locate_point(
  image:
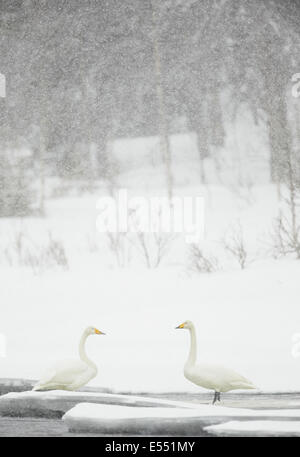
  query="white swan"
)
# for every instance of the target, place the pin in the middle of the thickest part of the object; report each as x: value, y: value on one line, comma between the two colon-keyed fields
x: 71, y: 374
x: 215, y: 377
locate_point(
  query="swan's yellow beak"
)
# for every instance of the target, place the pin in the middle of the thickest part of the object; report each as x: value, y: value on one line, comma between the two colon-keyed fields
x: 98, y: 332
x: 180, y: 326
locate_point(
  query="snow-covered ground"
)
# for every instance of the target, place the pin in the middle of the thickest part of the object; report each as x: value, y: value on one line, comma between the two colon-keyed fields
x: 114, y: 414
x: 245, y: 319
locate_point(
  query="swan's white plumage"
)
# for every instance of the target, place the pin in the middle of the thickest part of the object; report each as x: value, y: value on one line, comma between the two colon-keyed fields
x: 216, y: 377
x: 70, y: 374
x: 210, y: 376
x: 66, y: 375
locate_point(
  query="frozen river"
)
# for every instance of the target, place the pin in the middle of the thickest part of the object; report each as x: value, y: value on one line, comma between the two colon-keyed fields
x: 25, y: 426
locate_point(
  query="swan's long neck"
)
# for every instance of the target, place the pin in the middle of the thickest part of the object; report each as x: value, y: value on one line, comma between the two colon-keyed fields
x: 193, y: 348
x: 82, y: 352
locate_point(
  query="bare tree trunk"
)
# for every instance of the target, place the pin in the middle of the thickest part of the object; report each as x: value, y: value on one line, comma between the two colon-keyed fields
x: 201, y: 145
x: 86, y: 101
x: 163, y: 122
x: 292, y: 196
x: 42, y: 170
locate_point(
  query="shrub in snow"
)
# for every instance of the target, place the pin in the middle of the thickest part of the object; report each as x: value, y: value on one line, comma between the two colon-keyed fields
x: 55, y: 252
x: 23, y: 251
x: 201, y: 262
x: 285, y: 237
x: 152, y: 247
x: 234, y: 243
x: 118, y: 245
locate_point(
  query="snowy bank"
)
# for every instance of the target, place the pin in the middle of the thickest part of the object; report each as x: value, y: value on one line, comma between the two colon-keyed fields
x: 112, y: 419
x: 256, y: 428
x: 56, y: 402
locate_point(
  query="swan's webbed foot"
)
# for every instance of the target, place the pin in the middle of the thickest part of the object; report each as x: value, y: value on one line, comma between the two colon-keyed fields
x: 217, y: 397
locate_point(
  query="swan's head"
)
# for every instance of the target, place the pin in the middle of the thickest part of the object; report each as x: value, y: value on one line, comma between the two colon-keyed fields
x: 94, y: 331
x: 187, y: 325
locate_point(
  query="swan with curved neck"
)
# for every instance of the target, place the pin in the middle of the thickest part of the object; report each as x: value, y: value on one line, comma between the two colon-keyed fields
x: 71, y: 374
x: 214, y: 377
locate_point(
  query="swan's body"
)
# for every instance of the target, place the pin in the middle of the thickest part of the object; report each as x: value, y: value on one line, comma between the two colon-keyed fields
x: 71, y: 374
x: 210, y: 376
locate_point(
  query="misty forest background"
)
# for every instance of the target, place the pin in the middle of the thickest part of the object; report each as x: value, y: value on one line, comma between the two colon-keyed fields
x: 83, y: 74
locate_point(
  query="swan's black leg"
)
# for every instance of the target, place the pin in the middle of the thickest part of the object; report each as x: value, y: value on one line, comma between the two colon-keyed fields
x: 219, y: 396
x: 215, y: 398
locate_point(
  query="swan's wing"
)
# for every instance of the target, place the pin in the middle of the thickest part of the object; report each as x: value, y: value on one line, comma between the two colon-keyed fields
x: 217, y: 375
x: 210, y: 375
x: 236, y: 380
x: 63, y: 373
x: 45, y: 379
x: 243, y: 383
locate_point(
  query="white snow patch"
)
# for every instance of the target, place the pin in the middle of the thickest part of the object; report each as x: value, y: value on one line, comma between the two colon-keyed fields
x: 115, y: 411
x: 31, y: 403
x: 111, y: 418
x: 261, y: 428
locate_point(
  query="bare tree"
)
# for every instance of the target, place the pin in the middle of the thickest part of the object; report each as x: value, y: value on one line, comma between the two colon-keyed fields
x: 286, y: 230
x: 163, y: 121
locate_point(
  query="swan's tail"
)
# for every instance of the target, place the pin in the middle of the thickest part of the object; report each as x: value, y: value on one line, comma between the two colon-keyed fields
x: 249, y: 385
x: 245, y: 385
x: 36, y: 387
